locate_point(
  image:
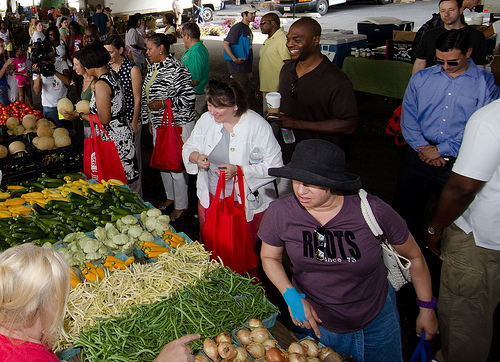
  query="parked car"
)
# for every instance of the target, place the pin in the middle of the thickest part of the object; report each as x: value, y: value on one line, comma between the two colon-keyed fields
x: 209, y: 6
x: 318, y: 6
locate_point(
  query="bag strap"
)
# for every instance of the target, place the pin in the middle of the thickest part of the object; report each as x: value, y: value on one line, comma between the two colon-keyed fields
x: 241, y: 185
x: 368, y: 214
x: 168, y: 114
x: 92, y: 128
x: 423, y: 350
x: 98, y: 123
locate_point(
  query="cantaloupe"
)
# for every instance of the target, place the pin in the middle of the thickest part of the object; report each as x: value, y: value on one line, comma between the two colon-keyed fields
x: 35, y: 141
x: 51, y: 124
x: 62, y: 141
x: 26, y: 131
x: 16, y: 146
x: 18, y: 130
x: 44, y: 131
x: 12, y: 122
x: 83, y: 106
x: 45, y: 143
x: 42, y: 122
x: 60, y: 132
x: 29, y: 121
x: 65, y: 105
x: 3, y: 151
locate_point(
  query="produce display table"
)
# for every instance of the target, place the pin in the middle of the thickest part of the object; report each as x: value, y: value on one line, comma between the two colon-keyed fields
x: 388, y: 78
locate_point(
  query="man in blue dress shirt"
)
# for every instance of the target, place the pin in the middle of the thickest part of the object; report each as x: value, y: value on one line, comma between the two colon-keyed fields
x: 437, y: 104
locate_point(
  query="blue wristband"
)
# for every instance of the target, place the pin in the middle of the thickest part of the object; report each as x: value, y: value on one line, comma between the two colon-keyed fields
x: 294, y: 301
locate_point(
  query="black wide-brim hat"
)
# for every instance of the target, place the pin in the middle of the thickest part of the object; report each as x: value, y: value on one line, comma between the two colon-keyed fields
x: 320, y: 163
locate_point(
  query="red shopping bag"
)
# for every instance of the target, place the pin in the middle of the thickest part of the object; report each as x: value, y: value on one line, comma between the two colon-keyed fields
x: 167, y: 153
x: 100, y: 158
x: 226, y: 230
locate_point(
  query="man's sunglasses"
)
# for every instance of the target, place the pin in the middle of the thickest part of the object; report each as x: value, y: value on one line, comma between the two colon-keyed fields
x: 451, y: 63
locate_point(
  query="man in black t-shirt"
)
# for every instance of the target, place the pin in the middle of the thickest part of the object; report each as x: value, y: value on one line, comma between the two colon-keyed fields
x: 450, y: 12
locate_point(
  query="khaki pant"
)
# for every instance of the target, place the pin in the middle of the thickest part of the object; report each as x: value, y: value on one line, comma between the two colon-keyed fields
x: 468, y: 295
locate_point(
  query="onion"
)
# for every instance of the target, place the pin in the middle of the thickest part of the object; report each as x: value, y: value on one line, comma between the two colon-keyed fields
x: 223, y: 337
x: 241, y: 354
x: 226, y: 350
x: 210, y: 349
x: 259, y: 335
x: 254, y: 323
x: 333, y: 357
x: 269, y: 343
x: 274, y: 355
x: 256, y: 350
x: 297, y: 348
x: 311, y: 347
x: 200, y: 358
x: 324, y: 351
x: 295, y: 357
x: 243, y: 336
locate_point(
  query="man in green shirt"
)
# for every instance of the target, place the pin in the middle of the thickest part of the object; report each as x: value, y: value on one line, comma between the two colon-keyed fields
x: 196, y: 59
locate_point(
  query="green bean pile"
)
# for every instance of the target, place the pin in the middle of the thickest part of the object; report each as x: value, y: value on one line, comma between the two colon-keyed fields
x: 222, y: 301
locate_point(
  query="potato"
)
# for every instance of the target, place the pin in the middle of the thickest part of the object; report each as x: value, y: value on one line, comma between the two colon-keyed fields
x: 12, y: 123
x: 18, y: 130
x: 83, y: 106
x: 42, y: 122
x: 62, y: 141
x: 29, y: 121
x: 65, y: 105
x: 16, y: 146
x: 45, y: 143
x: 60, y: 132
x: 3, y: 151
x: 44, y: 131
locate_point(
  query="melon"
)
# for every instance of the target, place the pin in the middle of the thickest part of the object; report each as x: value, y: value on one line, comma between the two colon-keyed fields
x: 35, y: 141
x: 12, y: 122
x: 83, y: 106
x: 65, y: 105
x: 18, y: 130
x: 60, y: 132
x: 51, y: 124
x: 42, y: 122
x: 16, y: 146
x: 44, y: 131
x: 3, y: 151
x: 45, y: 143
x: 29, y: 121
x: 62, y: 141
x: 26, y: 131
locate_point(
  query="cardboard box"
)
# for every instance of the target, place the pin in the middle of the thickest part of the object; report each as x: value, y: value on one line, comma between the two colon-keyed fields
x: 401, y: 35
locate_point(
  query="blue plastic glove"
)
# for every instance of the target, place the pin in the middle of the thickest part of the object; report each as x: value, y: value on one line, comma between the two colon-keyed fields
x: 294, y: 301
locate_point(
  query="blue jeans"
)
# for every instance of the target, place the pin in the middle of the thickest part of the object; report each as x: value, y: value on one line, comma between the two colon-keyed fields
x: 51, y: 114
x: 4, y: 95
x: 379, y: 341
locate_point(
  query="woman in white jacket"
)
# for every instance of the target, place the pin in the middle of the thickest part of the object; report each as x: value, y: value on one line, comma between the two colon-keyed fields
x: 226, y: 136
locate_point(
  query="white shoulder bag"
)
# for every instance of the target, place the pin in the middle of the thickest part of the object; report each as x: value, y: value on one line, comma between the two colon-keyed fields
x: 398, y: 267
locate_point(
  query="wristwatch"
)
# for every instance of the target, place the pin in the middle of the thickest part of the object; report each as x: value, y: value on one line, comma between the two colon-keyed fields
x: 428, y: 305
x: 432, y: 231
x: 80, y: 115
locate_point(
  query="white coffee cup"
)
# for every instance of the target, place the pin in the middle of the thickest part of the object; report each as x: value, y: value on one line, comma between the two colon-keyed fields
x: 273, y: 100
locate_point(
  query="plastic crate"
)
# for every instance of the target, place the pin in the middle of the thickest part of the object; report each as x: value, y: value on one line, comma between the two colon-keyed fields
x: 340, y: 44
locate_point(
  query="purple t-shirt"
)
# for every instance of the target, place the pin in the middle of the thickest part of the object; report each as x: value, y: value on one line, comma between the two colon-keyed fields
x: 349, y: 290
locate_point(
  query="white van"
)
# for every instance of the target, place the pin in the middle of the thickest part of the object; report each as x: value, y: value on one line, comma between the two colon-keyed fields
x: 318, y: 6
x: 158, y: 7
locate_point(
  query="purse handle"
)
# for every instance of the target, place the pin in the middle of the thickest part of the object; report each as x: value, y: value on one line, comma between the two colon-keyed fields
x: 370, y: 218
x: 93, y: 118
x: 168, y: 114
x: 221, y: 187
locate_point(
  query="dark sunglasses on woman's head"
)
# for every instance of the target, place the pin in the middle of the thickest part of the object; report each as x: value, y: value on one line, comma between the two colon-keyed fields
x: 451, y: 63
x: 320, y: 241
x: 218, y: 85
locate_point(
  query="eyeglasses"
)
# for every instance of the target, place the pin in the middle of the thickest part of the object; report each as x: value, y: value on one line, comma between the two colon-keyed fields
x: 320, y: 241
x: 451, y: 63
x: 263, y: 22
x: 218, y: 85
x: 293, y: 91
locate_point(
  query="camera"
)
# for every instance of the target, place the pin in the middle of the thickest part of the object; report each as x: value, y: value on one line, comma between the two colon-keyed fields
x: 42, y: 51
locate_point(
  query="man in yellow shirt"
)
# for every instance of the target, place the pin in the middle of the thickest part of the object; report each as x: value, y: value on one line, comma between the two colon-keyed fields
x: 273, y: 54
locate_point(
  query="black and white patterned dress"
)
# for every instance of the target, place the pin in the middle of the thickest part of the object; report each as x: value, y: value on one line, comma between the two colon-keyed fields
x: 169, y: 79
x: 118, y: 129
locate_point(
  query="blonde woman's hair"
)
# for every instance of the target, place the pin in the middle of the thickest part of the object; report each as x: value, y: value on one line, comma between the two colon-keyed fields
x: 34, y: 283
